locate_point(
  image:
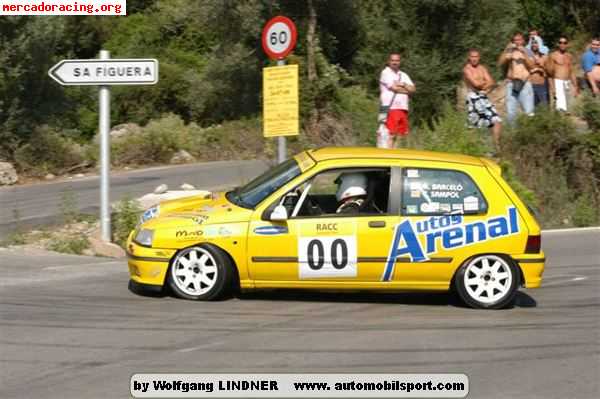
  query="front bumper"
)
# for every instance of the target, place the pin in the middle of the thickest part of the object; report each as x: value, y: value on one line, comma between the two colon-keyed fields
x: 532, y: 267
x: 148, y: 266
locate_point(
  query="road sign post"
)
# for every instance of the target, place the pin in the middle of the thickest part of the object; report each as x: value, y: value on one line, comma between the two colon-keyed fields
x: 104, y: 129
x: 278, y: 40
x: 105, y: 72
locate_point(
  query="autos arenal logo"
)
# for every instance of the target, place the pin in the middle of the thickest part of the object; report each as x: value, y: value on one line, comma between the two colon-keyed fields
x: 447, y: 231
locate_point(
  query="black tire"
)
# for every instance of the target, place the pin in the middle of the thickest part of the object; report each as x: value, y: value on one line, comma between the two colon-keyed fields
x: 487, y: 282
x: 204, y: 276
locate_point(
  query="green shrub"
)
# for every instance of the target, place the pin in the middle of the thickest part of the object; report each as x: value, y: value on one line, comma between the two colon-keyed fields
x: 68, y: 245
x: 524, y: 193
x: 449, y: 133
x: 156, y: 143
x: 238, y: 139
x: 361, y: 110
x: 590, y: 111
x: 585, y: 212
x: 125, y: 219
x: 48, y: 151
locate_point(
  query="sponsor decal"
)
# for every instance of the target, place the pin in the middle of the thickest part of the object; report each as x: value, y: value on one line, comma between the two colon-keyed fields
x: 429, y: 236
x: 270, y: 230
x: 412, y: 173
x: 150, y: 213
x: 200, y: 219
x: 188, y: 234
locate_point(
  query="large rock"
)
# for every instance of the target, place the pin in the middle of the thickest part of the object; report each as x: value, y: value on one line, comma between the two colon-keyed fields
x: 121, y: 131
x: 104, y: 248
x: 182, y: 156
x: 124, y: 129
x: 8, y: 174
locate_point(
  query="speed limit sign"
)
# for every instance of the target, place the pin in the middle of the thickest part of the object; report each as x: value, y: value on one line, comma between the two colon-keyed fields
x: 279, y: 37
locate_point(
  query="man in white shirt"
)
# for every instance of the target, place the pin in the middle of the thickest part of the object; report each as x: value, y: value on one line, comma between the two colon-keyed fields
x: 396, y: 87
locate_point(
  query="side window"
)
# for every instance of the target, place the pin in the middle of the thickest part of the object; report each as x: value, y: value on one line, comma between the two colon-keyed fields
x: 358, y: 191
x: 439, y: 192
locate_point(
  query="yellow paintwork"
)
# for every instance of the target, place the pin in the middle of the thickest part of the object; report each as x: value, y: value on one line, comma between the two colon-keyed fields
x: 186, y: 222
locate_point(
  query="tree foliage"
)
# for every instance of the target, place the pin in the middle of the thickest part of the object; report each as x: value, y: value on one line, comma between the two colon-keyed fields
x: 211, y: 58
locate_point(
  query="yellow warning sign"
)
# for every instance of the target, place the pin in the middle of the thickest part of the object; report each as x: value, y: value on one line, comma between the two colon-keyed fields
x: 280, y: 101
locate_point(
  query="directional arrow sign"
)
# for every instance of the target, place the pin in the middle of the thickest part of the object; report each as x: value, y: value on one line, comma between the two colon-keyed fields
x: 105, y: 72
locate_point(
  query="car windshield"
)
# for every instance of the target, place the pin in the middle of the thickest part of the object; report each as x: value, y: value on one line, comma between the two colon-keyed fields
x: 253, y: 193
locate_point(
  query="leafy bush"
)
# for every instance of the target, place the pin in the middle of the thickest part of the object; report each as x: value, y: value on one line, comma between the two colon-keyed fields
x: 69, y: 245
x: 156, y: 142
x: 48, y: 151
x: 585, y: 212
x: 361, y: 110
x: 449, y: 133
x: 559, y: 164
x: 125, y: 218
x: 590, y: 112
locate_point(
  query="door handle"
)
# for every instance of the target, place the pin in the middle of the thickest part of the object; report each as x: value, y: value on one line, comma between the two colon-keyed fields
x: 377, y: 224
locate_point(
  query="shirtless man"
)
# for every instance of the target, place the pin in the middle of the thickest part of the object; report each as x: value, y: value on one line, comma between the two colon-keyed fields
x: 590, y: 62
x: 538, y: 75
x: 481, y: 112
x: 518, y: 88
x: 563, y: 83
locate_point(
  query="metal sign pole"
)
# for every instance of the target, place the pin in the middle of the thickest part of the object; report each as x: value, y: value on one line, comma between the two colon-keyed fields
x: 104, y: 127
x: 281, y: 144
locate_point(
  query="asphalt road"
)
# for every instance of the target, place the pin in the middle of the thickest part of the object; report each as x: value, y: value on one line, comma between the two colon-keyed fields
x: 69, y: 328
x: 39, y: 204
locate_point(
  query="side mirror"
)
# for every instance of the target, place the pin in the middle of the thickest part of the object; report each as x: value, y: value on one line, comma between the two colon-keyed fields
x: 279, y: 213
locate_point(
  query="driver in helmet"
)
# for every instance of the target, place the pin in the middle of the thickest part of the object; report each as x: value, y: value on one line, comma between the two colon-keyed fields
x: 351, y: 193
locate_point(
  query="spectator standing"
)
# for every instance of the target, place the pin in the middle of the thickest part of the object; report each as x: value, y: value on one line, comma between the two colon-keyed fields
x: 395, y: 88
x: 480, y: 110
x: 590, y: 62
x: 519, y: 91
x: 563, y: 83
x: 534, y: 37
x: 538, y: 76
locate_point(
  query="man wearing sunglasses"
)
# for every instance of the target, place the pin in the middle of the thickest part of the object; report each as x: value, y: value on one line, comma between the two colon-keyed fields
x: 590, y: 62
x: 563, y: 83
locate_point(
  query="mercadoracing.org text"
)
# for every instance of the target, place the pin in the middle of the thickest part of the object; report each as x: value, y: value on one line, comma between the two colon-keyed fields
x: 63, y: 7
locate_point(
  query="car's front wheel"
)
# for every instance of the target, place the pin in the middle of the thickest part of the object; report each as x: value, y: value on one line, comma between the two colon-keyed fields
x: 487, y: 282
x: 202, y: 272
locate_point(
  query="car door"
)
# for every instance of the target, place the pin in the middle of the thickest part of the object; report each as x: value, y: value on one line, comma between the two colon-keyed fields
x: 317, y: 246
x: 441, y: 209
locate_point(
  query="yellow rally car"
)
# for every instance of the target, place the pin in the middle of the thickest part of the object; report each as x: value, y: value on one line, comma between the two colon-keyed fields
x: 348, y: 219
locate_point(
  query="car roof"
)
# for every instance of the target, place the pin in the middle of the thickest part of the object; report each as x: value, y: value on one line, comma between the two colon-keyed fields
x: 330, y: 153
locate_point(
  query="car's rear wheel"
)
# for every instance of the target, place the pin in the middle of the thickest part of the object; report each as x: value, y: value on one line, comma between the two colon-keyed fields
x: 487, y: 282
x: 202, y: 272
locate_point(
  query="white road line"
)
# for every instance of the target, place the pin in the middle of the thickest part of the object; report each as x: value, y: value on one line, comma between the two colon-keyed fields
x: 554, y: 283
x: 194, y: 348
x: 80, y: 265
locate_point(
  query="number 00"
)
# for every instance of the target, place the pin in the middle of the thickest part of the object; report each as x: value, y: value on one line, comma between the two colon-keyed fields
x: 337, y: 262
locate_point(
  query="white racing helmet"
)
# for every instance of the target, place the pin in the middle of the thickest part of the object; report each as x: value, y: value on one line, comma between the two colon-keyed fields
x: 351, y: 185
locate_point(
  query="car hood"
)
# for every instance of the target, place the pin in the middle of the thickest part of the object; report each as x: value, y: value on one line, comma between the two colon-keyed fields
x: 197, y: 211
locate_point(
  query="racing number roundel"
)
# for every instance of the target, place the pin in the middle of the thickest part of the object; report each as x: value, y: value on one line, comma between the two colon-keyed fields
x: 279, y: 37
x: 327, y: 256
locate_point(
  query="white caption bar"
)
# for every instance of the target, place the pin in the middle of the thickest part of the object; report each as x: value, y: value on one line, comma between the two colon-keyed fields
x: 63, y: 7
x: 299, y: 385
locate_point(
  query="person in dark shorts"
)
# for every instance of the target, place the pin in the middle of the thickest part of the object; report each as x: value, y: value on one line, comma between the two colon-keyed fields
x: 481, y: 113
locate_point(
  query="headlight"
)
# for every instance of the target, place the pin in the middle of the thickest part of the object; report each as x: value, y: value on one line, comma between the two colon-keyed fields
x: 144, y: 237
x: 150, y: 213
